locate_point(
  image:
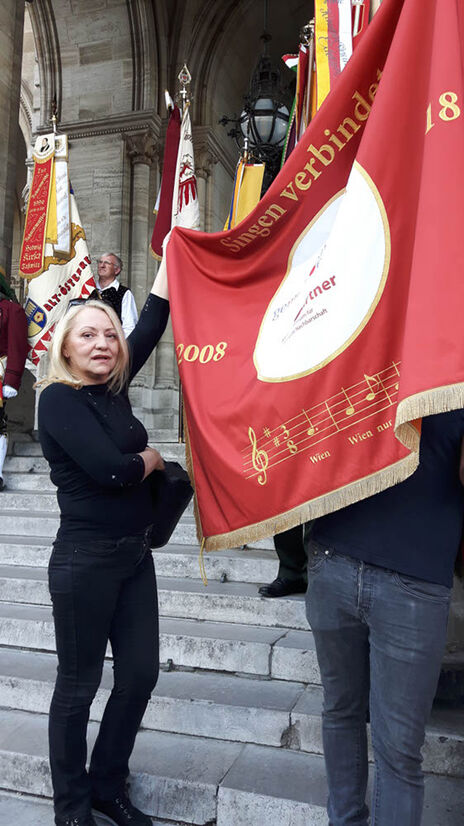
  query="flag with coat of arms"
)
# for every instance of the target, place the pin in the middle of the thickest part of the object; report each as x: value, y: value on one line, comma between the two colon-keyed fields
x: 178, y: 200
x: 54, y: 255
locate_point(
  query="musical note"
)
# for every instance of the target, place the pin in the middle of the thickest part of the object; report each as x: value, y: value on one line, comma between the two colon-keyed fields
x: 311, y: 429
x: 368, y: 379
x: 259, y: 458
x: 397, y: 373
x: 331, y: 415
x: 350, y: 409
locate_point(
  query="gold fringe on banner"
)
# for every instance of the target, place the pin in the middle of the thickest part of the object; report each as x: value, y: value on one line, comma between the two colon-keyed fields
x: 340, y: 498
x: 427, y: 403
x: 407, y: 429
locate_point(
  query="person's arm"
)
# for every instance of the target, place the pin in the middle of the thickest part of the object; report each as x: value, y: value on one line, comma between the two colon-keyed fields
x: 151, y: 324
x: 64, y: 413
x: 461, y: 463
x: 160, y: 284
x: 18, y: 345
x: 129, y: 314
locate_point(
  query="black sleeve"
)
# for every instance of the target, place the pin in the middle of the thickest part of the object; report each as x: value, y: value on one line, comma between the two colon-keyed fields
x: 65, y: 416
x: 147, y: 332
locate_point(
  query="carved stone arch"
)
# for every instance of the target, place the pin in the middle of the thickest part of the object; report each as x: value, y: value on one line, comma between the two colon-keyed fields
x: 48, y: 56
x: 213, y: 29
x: 25, y: 113
x: 145, y: 38
x: 169, y: 21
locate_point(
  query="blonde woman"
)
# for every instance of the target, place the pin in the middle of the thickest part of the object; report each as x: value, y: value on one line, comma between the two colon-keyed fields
x: 101, y: 574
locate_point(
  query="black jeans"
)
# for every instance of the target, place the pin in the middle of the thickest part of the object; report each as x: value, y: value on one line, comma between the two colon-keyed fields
x: 103, y: 590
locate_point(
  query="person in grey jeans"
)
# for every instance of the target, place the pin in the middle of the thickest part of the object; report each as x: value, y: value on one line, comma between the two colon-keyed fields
x: 379, y: 583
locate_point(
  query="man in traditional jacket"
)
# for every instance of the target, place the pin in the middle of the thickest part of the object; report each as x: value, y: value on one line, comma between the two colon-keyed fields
x: 13, y: 352
x: 110, y: 290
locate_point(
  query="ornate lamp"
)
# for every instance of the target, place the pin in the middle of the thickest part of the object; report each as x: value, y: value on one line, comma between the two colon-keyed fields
x: 260, y: 129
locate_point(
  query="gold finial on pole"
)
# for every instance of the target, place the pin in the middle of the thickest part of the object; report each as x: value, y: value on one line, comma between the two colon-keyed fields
x: 185, y: 78
x: 54, y: 118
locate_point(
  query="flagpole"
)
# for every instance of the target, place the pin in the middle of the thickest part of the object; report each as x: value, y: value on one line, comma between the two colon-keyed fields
x: 184, y: 77
x: 311, y: 51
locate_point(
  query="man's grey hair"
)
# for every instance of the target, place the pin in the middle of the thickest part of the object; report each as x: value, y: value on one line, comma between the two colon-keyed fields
x: 116, y: 258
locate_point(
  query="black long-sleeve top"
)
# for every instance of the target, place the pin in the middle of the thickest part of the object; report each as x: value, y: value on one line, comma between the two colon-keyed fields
x: 91, y: 440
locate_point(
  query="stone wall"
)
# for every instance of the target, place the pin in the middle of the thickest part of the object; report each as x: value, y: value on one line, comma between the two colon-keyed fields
x: 11, y: 44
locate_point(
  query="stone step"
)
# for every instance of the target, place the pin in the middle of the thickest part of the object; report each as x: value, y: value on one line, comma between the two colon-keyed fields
x: 38, y: 523
x: 237, y: 565
x: 28, y: 810
x: 26, y: 482
x: 220, y: 706
x: 196, y: 780
x: 169, y: 450
x: 190, y: 599
x: 25, y: 464
x: 163, y: 436
x: 34, y: 523
x: 175, y: 777
x: 27, y: 501
x: 42, y: 498
x: 238, y: 709
x: 207, y: 646
x: 27, y: 449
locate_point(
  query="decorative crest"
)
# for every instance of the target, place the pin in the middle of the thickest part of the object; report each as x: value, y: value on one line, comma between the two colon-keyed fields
x: 185, y: 78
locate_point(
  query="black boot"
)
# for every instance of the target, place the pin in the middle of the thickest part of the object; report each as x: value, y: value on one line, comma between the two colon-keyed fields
x: 281, y: 587
x: 120, y: 812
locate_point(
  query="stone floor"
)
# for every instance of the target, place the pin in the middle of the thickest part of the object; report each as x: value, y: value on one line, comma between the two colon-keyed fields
x: 232, y: 734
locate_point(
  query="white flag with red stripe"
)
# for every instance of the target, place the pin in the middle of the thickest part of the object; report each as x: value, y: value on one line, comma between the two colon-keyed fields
x: 185, y: 207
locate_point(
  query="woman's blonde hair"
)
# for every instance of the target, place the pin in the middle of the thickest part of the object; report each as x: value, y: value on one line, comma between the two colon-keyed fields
x: 59, y: 369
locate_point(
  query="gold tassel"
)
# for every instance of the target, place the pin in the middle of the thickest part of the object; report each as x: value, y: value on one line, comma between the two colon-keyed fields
x: 202, y: 562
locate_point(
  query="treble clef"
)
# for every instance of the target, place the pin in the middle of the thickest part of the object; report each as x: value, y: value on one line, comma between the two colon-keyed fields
x: 259, y: 458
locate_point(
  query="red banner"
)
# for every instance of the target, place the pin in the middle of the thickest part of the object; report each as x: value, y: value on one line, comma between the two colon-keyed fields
x: 314, y: 335
x: 32, y: 249
x: 164, y: 216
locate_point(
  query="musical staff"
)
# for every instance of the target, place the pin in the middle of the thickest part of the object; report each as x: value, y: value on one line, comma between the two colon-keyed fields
x: 345, y: 410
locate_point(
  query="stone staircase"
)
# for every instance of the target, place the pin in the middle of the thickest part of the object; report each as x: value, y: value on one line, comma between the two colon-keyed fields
x: 232, y: 733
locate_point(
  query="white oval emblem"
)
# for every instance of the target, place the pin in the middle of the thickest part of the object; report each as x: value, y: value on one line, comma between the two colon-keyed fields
x: 335, y: 277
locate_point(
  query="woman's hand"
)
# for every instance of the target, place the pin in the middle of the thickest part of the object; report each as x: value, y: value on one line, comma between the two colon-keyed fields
x: 152, y: 460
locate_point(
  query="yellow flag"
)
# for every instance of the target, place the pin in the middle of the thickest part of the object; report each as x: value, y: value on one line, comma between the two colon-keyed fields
x: 52, y: 223
x: 247, y: 191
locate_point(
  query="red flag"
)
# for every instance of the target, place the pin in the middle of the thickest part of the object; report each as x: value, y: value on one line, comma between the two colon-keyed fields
x: 314, y: 336
x: 163, y: 218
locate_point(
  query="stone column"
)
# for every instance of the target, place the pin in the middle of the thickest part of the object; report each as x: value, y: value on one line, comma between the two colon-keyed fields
x: 204, y: 163
x: 141, y: 149
x: 11, y: 50
x: 166, y: 394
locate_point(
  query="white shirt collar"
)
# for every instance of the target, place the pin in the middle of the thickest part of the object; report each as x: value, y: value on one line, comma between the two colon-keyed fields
x: 114, y: 284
